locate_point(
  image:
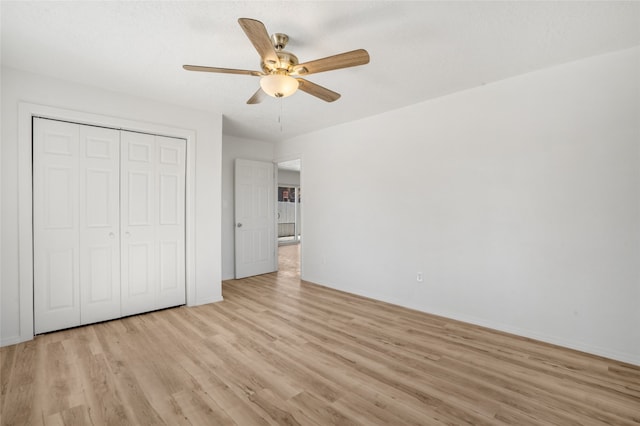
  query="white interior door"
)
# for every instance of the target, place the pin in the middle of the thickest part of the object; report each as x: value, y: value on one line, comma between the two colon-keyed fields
x: 153, y: 228
x: 99, y: 200
x: 170, y: 231
x: 56, y: 228
x: 255, y: 245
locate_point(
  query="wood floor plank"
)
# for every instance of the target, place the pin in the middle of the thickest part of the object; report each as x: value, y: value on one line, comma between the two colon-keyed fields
x: 199, y: 409
x: 76, y: 416
x: 357, y: 392
x: 320, y: 411
x: 101, y: 392
x: 7, y: 359
x: 280, y: 351
x: 121, y: 359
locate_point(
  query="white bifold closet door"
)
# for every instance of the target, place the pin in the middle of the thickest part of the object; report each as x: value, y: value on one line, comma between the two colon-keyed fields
x: 153, y: 222
x: 108, y: 223
x: 76, y: 224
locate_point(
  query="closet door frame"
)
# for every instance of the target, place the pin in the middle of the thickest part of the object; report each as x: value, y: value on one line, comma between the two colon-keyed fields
x: 26, y: 112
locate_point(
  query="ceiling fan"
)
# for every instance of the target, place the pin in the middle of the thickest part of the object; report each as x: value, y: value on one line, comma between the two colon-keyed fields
x: 281, y: 72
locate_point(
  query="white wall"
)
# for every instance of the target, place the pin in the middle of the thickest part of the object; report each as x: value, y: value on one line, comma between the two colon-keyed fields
x: 519, y: 201
x: 288, y: 177
x: 19, y: 86
x: 232, y: 148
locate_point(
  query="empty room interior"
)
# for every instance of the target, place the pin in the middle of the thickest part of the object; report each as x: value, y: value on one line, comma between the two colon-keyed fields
x: 315, y: 213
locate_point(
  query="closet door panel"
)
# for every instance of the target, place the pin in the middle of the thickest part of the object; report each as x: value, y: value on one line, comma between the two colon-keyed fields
x: 99, y: 224
x: 140, y: 277
x: 170, y: 174
x: 138, y: 245
x: 56, y: 272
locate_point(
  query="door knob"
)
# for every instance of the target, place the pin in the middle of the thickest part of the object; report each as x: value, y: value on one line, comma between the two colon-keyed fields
x: 111, y: 235
x: 127, y: 234
x: 239, y: 225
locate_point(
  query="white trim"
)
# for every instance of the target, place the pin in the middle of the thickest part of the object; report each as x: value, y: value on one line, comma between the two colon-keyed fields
x: 25, y: 217
x: 276, y: 255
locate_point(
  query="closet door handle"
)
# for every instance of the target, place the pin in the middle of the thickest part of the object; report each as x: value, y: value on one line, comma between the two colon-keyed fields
x: 127, y: 234
x: 112, y: 235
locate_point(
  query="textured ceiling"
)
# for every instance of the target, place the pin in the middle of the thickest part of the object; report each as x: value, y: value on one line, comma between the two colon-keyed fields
x: 419, y: 50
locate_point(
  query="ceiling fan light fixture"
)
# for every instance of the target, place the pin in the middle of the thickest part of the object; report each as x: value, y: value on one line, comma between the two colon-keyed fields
x: 279, y: 85
x: 281, y: 71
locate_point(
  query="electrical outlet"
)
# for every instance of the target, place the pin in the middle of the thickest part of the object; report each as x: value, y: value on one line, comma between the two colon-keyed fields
x: 419, y: 277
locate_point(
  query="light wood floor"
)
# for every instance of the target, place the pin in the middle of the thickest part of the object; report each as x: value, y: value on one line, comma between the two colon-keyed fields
x: 278, y: 351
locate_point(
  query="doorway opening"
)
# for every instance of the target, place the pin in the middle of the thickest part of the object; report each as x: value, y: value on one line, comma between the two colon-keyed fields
x: 289, y: 261
x: 289, y: 215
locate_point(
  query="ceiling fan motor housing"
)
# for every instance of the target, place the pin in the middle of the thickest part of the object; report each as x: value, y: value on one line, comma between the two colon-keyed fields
x: 279, y: 41
x: 287, y: 59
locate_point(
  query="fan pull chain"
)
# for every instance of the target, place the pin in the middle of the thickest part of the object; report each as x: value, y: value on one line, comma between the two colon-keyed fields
x: 280, y: 115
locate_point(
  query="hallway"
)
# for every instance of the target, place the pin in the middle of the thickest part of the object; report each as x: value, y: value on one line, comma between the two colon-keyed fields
x: 289, y: 261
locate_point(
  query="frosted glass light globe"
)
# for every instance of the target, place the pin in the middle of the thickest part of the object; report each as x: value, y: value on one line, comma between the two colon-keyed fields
x: 279, y: 86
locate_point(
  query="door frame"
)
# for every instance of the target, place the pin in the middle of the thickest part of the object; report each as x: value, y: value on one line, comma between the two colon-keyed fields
x: 277, y: 161
x: 26, y: 111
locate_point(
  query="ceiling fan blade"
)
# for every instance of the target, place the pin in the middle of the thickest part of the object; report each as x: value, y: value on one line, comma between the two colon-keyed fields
x: 257, y: 97
x: 342, y: 60
x: 317, y: 90
x: 221, y: 70
x: 260, y: 39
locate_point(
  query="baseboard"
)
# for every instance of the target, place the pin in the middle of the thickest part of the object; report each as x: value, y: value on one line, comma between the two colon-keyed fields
x: 14, y: 340
x: 628, y: 358
x: 541, y: 337
x: 208, y: 300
